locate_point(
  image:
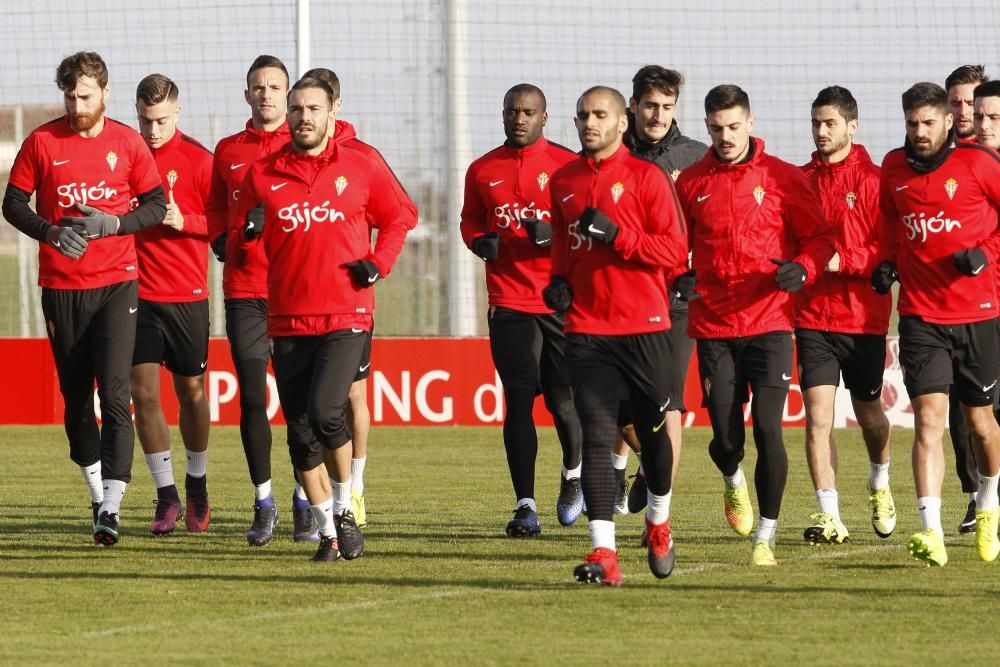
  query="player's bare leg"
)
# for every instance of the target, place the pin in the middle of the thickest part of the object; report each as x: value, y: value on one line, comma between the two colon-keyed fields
x: 929, y: 421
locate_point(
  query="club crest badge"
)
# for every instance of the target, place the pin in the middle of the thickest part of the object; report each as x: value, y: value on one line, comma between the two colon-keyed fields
x: 851, y: 198
x: 675, y: 173
x: 171, y: 178
x: 340, y: 184
x: 758, y: 194
x: 111, y: 159
x: 617, y: 190
x: 543, y: 179
x: 950, y: 186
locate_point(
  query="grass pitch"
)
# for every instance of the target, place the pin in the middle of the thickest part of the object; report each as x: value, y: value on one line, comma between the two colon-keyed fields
x: 439, y: 582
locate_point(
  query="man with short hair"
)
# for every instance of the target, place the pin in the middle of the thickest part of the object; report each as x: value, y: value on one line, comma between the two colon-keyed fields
x: 506, y: 222
x: 308, y: 208
x: 172, y: 322
x: 939, y: 201
x: 960, y: 85
x: 616, y: 229
x: 653, y: 134
x: 757, y: 236
x: 841, y: 324
x: 986, y: 114
x: 85, y: 168
x: 245, y: 290
x: 344, y: 133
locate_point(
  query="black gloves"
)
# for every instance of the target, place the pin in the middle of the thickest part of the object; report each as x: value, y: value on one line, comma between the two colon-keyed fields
x: 883, y: 277
x: 558, y: 296
x: 970, y: 261
x: 487, y: 246
x: 94, y: 224
x: 790, y: 276
x: 66, y: 241
x: 364, y: 272
x: 596, y: 225
x: 219, y: 247
x: 254, y: 220
x: 539, y: 231
x: 683, y: 288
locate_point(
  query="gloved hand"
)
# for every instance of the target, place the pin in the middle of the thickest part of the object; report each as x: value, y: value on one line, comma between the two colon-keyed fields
x: 254, y: 222
x: 539, y: 231
x: 683, y: 287
x: 94, y: 224
x: 487, y: 246
x: 790, y: 276
x: 558, y: 296
x: 883, y: 277
x: 596, y: 225
x: 364, y: 272
x: 970, y: 261
x: 66, y: 241
x: 219, y: 247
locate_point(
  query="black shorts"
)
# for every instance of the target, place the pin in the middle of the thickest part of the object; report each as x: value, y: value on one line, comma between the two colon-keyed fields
x: 246, y: 328
x: 728, y: 365
x: 615, y: 366
x: 314, y: 376
x: 824, y: 356
x: 529, y: 349
x: 964, y: 357
x: 681, y: 346
x: 174, y: 334
x: 365, y: 367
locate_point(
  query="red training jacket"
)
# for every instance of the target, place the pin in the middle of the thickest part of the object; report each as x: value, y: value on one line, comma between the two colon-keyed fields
x: 173, y: 265
x: 740, y: 217
x: 844, y: 301
x: 927, y: 217
x: 233, y: 157
x: 617, y: 289
x: 318, y: 211
x: 502, y: 187
x: 105, y: 172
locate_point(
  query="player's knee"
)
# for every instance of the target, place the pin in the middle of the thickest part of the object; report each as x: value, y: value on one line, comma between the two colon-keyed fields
x: 190, y: 391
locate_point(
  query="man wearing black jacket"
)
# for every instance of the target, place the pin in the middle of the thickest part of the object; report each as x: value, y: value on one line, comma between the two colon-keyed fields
x: 653, y: 134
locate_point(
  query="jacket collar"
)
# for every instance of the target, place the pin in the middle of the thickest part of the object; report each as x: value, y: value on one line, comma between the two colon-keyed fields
x: 858, y: 154
x: 529, y: 150
x: 755, y: 158
x: 927, y: 165
x: 613, y: 159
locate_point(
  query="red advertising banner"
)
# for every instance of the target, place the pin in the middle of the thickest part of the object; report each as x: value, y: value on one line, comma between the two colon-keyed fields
x: 414, y: 382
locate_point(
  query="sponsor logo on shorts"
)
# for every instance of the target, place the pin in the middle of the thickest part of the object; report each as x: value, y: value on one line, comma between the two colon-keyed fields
x: 786, y: 377
x: 204, y: 363
x: 133, y: 310
x: 362, y: 369
x: 990, y: 386
x: 876, y: 391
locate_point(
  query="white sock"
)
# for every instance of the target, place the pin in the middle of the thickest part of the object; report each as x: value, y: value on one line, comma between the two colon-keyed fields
x: 987, y: 498
x: 572, y: 473
x: 114, y: 491
x: 262, y: 490
x: 736, y: 480
x: 300, y: 493
x: 323, y: 516
x: 658, y: 507
x: 619, y: 462
x: 766, y: 528
x: 602, y: 534
x: 161, y: 465
x: 358, y: 475
x: 341, y: 497
x: 930, y: 513
x: 197, y: 463
x: 92, y: 476
x: 878, y: 476
x: 530, y: 502
x: 828, y: 502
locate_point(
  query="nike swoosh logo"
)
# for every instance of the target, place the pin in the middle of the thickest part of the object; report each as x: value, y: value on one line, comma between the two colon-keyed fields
x: 373, y: 278
x: 132, y: 310
x: 786, y: 376
x: 568, y: 197
x: 664, y: 406
x: 278, y: 186
x: 166, y: 458
x: 237, y: 166
x: 362, y: 369
x: 353, y: 330
x: 57, y: 163
x: 976, y: 270
x: 594, y: 230
x: 656, y: 429
x: 496, y: 183
x: 991, y: 386
x: 876, y: 392
x: 250, y: 224
x: 702, y: 198
x: 93, y: 472
x: 204, y: 363
x: 901, y: 187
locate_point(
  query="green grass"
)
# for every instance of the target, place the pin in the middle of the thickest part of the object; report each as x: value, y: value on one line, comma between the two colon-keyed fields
x: 440, y: 584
